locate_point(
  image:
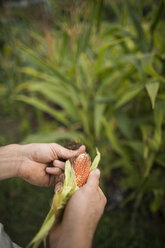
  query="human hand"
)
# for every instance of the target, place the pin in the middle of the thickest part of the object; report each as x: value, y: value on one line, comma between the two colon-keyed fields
x: 81, y: 216
x: 30, y: 162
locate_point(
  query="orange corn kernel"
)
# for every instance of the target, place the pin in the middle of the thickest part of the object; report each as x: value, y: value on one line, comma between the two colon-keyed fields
x: 81, y: 166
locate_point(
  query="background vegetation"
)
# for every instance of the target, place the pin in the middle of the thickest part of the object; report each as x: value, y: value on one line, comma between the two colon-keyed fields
x: 91, y: 71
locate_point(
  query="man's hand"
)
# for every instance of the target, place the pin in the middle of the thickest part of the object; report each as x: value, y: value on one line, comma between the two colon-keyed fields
x: 81, y: 216
x: 30, y: 162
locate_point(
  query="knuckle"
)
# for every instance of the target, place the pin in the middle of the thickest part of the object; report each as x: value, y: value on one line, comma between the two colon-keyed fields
x: 53, y: 150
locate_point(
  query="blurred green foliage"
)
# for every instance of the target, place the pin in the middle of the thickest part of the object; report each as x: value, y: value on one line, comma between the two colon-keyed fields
x: 92, y: 71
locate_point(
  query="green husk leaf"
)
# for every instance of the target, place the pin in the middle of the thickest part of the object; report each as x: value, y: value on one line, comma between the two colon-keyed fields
x: 96, y: 160
x: 59, y: 202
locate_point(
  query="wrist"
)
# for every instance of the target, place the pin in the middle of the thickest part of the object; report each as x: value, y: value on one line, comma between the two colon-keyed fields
x: 75, y: 235
x: 10, y: 161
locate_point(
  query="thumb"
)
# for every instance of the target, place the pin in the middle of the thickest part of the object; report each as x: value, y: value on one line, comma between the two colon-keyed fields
x: 93, y: 179
x: 65, y: 153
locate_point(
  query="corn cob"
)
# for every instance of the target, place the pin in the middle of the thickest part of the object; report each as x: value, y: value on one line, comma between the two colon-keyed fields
x: 81, y: 166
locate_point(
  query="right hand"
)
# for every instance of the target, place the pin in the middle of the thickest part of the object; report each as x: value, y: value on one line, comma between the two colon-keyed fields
x: 81, y: 215
x: 86, y: 206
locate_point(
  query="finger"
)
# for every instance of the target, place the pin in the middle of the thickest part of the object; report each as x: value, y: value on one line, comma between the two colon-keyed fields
x: 102, y: 196
x: 59, y: 164
x: 53, y: 171
x: 59, y: 178
x: 62, y: 177
x: 57, y: 187
x: 52, y: 180
x: 65, y: 153
x: 100, y: 191
x: 93, y: 179
x: 81, y: 149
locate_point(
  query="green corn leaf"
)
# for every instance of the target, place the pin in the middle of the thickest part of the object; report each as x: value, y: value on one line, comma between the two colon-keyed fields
x: 158, y: 199
x: 135, y: 61
x: 152, y: 89
x: 156, y: 141
x: 84, y: 121
x: 137, y: 146
x: 159, y: 113
x: 160, y: 159
x: 140, y: 34
x: 96, y: 160
x: 3, y: 90
x: 155, y: 181
x: 131, y: 92
x: 55, y: 94
x: 125, y: 125
x: 44, y: 65
x: 83, y: 74
x: 105, y: 71
x: 35, y: 102
x: 113, y: 139
x: 84, y: 39
x: 157, y: 16
x: 53, y: 136
x: 147, y: 61
x: 116, y: 9
x: 102, y: 51
x: 98, y: 114
x: 38, y: 74
x: 98, y: 15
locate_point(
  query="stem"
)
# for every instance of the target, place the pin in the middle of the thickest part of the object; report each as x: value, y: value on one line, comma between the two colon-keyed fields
x: 150, y: 163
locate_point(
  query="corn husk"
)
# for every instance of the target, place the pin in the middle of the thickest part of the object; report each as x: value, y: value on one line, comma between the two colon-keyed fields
x: 59, y: 202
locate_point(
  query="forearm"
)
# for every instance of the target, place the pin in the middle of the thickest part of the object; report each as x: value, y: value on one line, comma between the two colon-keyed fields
x: 77, y: 240
x: 10, y: 160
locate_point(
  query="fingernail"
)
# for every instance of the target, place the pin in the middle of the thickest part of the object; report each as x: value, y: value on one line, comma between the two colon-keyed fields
x: 57, y: 162
x: 81, y: 147
x: 97, y: 171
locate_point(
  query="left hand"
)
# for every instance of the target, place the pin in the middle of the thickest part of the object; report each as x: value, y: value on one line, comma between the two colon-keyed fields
x: 30, y: 162
x: 34, y: 167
